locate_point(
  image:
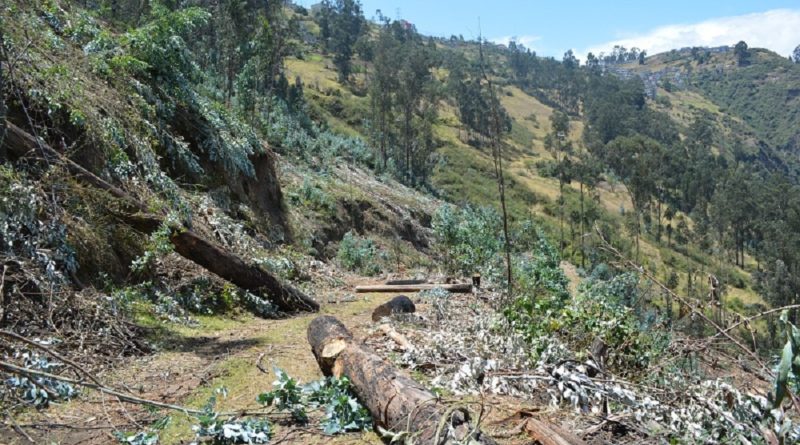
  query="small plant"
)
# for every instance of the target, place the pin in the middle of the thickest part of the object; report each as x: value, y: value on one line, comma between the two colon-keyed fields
x: 146, y: 437
x: 343, y: 412
x: 211, y: 429
x: 286, y: 396
x: 358, y: 254
x: 158, y: 245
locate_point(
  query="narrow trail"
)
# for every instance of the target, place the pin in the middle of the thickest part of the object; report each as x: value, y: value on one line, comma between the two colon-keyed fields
x: 188, y: 369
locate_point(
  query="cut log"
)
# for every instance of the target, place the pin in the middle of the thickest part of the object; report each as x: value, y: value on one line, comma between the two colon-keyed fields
x: 187, y: 243
x: 405, y: 282
x: 397, y: 305
x: 396, y: 402
x: 400, y: 339
x: 458, y: 288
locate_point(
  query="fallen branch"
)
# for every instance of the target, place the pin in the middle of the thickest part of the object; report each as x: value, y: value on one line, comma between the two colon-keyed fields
x: 397, y: 337
x: 49, y: 351
x: 9, y: 367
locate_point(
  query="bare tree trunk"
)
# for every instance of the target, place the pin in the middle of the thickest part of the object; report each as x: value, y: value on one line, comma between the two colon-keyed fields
x: 583, y: 232
x: 187, y: 243
x: 396, y: 402
x: 497, y: 155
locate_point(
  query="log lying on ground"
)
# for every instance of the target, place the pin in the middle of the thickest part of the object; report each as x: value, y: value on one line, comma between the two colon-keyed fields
x: 397, y: 403
x: 397, y: 305
x: 405, y: 282
x: 187, y: 243
x: 457, y: 288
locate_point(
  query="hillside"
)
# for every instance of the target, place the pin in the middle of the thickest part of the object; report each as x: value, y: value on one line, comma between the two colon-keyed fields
x: 186, y: 188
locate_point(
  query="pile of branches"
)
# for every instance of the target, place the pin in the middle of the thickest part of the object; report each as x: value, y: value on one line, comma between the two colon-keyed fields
x: 473, y: 350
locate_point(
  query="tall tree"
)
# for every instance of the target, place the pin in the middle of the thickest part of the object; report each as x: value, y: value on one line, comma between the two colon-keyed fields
x: 634, y: 159
x: 560, y: 150
x: 498, y: 124
x: 742, y: 53
x: 382, y: 85
x: 341, y: 25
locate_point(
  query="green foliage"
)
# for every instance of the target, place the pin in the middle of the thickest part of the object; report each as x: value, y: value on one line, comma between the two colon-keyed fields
x: 287, y: 396
x: 746, y: 93
x: 789, y: 364
x: 30, y: 229
x: 294, y: 134
x: 341, y: 25
x: 211, y: 428
x: 311, y: 195
x: 343, y: 413
x: 469, y: 240
x: 159, y: 244
x: 39, y: 391
x: 604, y: 308
x: 149, y: 436
x: 358, y: 254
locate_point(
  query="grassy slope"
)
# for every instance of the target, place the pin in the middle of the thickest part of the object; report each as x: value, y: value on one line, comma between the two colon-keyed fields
x: 466, y: 174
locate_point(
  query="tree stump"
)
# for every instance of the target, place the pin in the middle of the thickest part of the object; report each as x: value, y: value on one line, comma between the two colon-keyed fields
x: 397, y: 305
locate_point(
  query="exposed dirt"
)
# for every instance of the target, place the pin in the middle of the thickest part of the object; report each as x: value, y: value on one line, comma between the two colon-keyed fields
x: 193, y: 362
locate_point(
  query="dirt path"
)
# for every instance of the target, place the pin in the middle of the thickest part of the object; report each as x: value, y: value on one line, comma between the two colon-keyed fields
x: 192, y: 364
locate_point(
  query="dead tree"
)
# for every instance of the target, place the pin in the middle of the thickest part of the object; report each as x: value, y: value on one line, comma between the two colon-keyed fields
x: 187, y: 243
x: 396, y: 402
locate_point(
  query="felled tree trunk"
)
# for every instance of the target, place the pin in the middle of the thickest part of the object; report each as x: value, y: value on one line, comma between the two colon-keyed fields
x: 397, y: 403
x: 187, y: 243
x: 455, y: 288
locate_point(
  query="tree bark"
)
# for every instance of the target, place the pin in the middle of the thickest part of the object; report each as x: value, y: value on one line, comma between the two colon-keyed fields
x: 396, y: 402
x: 187, y: 243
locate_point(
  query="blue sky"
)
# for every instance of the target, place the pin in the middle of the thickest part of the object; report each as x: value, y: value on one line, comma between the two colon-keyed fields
x: 551, y: 27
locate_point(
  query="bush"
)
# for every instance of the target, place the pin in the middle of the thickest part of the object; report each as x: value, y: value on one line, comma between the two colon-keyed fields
x: 469, y: 240
x: 358, y: 254
x: 603, y: 308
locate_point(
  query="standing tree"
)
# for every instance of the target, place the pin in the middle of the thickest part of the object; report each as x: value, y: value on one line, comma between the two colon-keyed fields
x: 634, y: 159
x: 742, y: 53
x: 560, y: 150
x: 382, y: 84
x: 796, y: 54
x: 341, y: 25
x: 587, y: 172
x: 498, y: 124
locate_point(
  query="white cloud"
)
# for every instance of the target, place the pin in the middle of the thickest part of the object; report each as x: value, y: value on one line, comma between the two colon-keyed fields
x: 529, y: 41
x: 777, y: 30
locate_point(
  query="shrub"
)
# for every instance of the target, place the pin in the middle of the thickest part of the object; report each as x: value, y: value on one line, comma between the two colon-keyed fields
x: 358, y: 254
x: 469, y: 240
